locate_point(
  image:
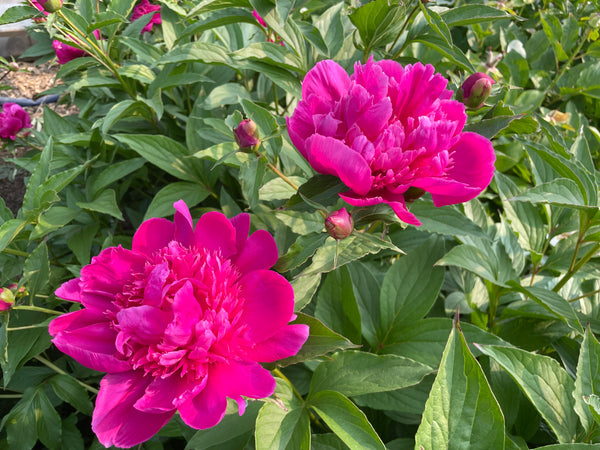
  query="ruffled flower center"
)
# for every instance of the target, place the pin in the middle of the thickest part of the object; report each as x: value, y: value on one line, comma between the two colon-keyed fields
x: 181, y: 314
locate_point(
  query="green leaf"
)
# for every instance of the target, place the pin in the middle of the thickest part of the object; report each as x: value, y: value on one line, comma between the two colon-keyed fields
x: 36, y: 270
x: 470, y: 14
x: 304, y: 290
x: 18, y: 13
x: 270, y: 53
x: 164, y: 153
x: 424, y: 340
x: 80, y: 242
x: 525, y: 219
x: 356, y: 373
x: 48, y: 422
x: 321, y: 340
x: 105, y: 203
x: 593, y: 404
x: 225, y: 94
x: 587, y: 382
x: 545, y: 383
x: 277, y: 189
x: 461, y: 411
x: 10, y: 230
x: 39, y: 175
x: 489, y: 128
x: 116, y: 172
x: 162, y: 203
x: 304, y: 247
x: 123, y: 110
x: 225, y: 153
x: 251, y: 176
x: 46, y: 193
x: 333, y: 254
x: 446, y: 220
x: 279, y: 428
x: 489, y: 262
x: 378, y: 22
x: 336, y: 305
x: 203, y: 52
x: 347, y: 421
x: 21, y: 429
x: 552, y: 302
x: 410, y: 288
x: 559, y: 192
x: 233, y: 431
x: 70, y: 391
x: 53, y: 219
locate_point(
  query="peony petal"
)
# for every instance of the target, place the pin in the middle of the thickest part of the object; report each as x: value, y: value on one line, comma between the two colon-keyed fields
x: 260, y: 252
x: 300, y: 127
x: 268, y: 306
x: 115, y: 420
x: 111, y: 270
x: 327, y: 80
x: 153, y: 291
x: 186, y: 314
x: 332, y: 157
x: 184, y: 226
x: 215, y: 232
x: 241, y: 223
x: 152, y: 235
x: 70, y: 291
x: 207, y: 408
x: 473, y: 157
x: 286, y: 342
x: 396, y: 202
x: 164, y: 394
x: 143, y: 324
x: 89, y: 339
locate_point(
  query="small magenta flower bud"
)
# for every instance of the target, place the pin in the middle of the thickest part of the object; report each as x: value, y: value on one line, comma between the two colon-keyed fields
x: 339, y: 224
x: 246, y: 135
x: 7, y: 299
x: 475, y: 90
x: 51, y: 5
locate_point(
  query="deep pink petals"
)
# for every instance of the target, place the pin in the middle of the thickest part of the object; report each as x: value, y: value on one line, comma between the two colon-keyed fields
x: 110, y: 270
x: 327, y: 80
x: 388, y: 129
x: 215, y: 232
x: 332, y: 157
x: 286, y: 342
x: 207, y: 408
x: 177, y: 323
x: 152, y: 235
x: 88, y: 338
x: 473, y: 157
x: 268, y: 306
x: 241, y: 223
x: 115, y: 420
x: 260, y: 252
x: 70, y: 291
x: 184, y: 227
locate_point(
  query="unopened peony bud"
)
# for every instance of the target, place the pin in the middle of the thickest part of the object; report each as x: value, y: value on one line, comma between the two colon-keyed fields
x: 246, y: 135
x: 7, y: 299
x: 51, y: 5
x: 13, y: 66
x: 475, y: 90
x: 339, y: 224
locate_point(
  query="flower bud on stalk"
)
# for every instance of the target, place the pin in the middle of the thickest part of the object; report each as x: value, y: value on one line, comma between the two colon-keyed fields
x: 13, y: 66
x: 475, y: 90
x: 339, y: 224
x: 247, y: 136
x: 7, y: 299
x: 51, y: 6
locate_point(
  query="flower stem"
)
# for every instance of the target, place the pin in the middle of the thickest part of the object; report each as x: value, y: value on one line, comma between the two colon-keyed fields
x: 567, y: 65
x: 277, y: 172
x: 38, y: 309
x: 10, y: 251
x: 584, y: 259
x: 408, y: 19
x: 57, y: 369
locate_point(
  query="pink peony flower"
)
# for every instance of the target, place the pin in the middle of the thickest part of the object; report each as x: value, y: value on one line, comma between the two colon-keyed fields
x: 12, y: 120
x: 145, y: 7
x: 388, y: 128
x: 180, y: 322
x: 66, y: 53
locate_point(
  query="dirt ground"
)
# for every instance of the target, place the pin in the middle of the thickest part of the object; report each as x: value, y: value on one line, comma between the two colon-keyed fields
x: 28, y: 82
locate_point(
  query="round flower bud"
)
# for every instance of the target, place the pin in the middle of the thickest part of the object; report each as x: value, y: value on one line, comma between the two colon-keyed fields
x: 51, y: 6
x: 13, y: 66
x: 7, y: 299
x: 246, y: 135
x: 339, y: 224
x: 475, y: 90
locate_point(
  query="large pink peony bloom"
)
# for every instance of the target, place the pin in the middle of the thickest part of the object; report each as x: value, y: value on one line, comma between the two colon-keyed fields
x: 145, y: 7
x: 13, y: 119
x: 180, y: 322
x: 388, y: 128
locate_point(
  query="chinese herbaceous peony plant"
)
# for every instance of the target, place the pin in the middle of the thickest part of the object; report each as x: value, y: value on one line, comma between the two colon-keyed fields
x: 304, y: 225
x: 180, y: 322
